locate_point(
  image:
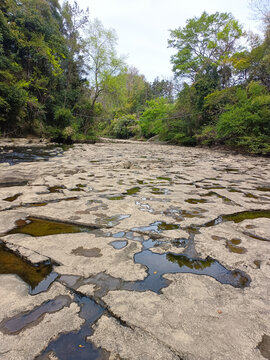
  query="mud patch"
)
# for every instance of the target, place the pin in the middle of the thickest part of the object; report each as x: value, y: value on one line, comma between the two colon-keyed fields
x: 232, y: 246
x: 80, y: 251
x: 264, y: 346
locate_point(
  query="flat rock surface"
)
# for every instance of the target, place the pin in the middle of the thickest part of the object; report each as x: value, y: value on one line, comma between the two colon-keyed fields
x: 130, y: 250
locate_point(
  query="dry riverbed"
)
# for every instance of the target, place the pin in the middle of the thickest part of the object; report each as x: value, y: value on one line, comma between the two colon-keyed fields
x: 133, y: 251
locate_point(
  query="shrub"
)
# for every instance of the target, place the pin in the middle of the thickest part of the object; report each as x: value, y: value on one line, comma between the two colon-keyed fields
x: 151, y: 120
x: 184, y: 140
x: 125, y: 127
x: 62, y: 117
x: 207, y: 136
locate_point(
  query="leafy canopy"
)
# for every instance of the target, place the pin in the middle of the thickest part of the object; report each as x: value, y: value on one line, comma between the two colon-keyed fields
x: 207, y: 40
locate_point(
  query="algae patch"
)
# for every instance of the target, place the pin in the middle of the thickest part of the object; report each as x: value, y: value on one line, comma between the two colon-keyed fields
x: 12, y: 198
x: 240, y: 216
x: 40, y: 227
x: 232, y: 245
x: 32, y: 274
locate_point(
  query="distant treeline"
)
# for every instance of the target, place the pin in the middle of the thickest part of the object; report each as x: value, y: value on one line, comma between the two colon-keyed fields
x: 60, y: 77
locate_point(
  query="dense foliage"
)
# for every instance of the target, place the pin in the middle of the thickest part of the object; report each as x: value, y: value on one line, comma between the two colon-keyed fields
x: 61, y: 77
x: 227, y: 98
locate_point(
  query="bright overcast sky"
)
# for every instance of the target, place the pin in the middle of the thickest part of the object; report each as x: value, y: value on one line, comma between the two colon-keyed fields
x: 142, y: 26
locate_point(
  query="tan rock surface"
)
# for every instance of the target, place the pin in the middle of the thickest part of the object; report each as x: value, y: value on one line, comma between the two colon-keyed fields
x: 133, y: 192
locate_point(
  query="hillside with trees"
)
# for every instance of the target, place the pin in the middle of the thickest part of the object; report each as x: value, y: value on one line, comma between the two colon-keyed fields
x: 61, y: 78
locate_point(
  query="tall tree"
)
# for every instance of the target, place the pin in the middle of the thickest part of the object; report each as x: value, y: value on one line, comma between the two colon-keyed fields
x: 75, y: 21
x: 209, y: 40
x: 103, y: 63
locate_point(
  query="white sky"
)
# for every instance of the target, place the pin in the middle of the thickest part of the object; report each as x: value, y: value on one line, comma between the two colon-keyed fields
x: 142, y: 26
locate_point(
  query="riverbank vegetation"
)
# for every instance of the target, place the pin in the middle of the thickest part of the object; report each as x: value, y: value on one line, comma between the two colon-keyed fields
x: 61, y: 77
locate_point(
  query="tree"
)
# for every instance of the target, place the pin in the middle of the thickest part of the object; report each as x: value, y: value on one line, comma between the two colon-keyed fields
x: 31, y: 51
x: 246, y: 122
x: 209, y: 40
x: 162, y: 88
x: 75, y: 21
x: 261, y: 10
x: 153, y: 119
x: 102, y: 62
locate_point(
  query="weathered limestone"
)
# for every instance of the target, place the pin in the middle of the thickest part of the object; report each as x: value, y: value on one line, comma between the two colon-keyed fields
x: 136, y: 192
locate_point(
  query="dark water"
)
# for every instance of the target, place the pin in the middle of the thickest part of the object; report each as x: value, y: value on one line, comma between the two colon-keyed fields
x: 118, y: 244
x: 73, y: 346
x: 37, y: 276
x: 17, y: 323
x: 15, y: 155
x: 157, y: 226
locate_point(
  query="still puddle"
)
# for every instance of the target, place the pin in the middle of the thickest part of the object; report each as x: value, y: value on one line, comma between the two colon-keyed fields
x: 39, y: 227
x: 111, y: 221
x: 164, y: 178
x: 74, y: 345
x: 159, y: 191
x: 196, y: 201
x: 180, y: 215
x: 232, y: 170
x: 56, y: 188
x: 77, y: 188
x: 250, y: 196
x: 214, y: 187
x: 12, y: 198
x: 15, y: 155
x: 133, y: 190
x: 167, y: 263
x: 17, y: 323
x: 15, y: 182
x: 38, y: 276
x: 263, y: 188
x: 239, y: 216
x: 116, y: 197
x: 157, y: 227
x: 224, y: 198
x: 37, y: 204
x: 118, y: 244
